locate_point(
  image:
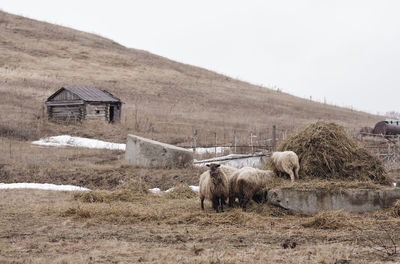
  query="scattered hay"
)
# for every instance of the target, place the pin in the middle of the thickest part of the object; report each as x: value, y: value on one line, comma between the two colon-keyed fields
x: 77, y: 212
x: 182, y: 191
x: 329, y: 220
x: 132, y: 193
x: 396, y: 209
x: 197, y: 250
x: 266, y: 209
x: 231, y: 217
x: 326, y: 152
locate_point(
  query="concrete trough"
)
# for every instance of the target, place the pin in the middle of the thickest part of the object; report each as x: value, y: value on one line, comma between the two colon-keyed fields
x: 147, y: 153
x: 316, y: 200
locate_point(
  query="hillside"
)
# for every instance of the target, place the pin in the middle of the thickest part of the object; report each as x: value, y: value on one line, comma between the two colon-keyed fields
x: 162, y: 97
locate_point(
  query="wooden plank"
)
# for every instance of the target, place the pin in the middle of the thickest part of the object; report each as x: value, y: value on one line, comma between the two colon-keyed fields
x: 65, y: 96
x: 96, y: 116
x: 64, y: 103
x: 65, y: 111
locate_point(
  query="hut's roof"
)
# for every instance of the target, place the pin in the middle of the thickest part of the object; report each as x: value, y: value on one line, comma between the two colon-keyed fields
x: 89, y: 94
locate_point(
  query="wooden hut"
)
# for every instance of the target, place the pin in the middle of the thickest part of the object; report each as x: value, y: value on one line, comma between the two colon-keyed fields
x: 70, y: 104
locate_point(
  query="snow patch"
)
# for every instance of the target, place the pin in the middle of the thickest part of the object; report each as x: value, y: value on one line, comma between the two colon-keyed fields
x: 69, y: 141
x: 194, y: 188
x: 42, y: 186
x: 157, y: 190
x: 217, y: 150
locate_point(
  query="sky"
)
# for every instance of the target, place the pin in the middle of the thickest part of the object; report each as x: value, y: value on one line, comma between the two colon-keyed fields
x: 345, y: 53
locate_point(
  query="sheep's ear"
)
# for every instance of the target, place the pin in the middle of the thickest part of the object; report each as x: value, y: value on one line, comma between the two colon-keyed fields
x: 217, y: 165
x: 208, y: 165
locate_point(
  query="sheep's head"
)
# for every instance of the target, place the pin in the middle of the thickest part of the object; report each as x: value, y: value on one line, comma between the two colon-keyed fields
x: 214, y: 171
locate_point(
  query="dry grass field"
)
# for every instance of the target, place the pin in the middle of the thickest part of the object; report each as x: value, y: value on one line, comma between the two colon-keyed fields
x: 54, y: 227
x: 119, y: 221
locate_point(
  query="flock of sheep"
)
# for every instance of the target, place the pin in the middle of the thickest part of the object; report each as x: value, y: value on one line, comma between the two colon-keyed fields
x: 221, y: 182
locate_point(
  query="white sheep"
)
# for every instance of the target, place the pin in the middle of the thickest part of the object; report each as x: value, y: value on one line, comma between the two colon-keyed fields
x: 229, y: 172
x: 214, y: 186
x: 250, y: 183
x: 287, y: 162
x: 233, y: 187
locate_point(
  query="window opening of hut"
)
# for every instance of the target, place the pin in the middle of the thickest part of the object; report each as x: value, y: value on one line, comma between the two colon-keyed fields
x: 97, y: 112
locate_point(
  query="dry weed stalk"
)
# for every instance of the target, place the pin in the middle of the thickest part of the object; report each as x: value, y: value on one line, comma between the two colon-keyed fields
x: 384, y: 246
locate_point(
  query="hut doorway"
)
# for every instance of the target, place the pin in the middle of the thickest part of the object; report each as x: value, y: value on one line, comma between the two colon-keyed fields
x: 111, y: 114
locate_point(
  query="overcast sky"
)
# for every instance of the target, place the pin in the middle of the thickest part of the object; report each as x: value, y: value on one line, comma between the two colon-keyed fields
x: 344, y: 52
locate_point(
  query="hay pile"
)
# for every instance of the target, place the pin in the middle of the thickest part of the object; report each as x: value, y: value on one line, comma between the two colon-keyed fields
x: 181, y: 191
x: 396, y: 209
x: 329, y: 220
x: 133, y: 192
x: 326, y: 152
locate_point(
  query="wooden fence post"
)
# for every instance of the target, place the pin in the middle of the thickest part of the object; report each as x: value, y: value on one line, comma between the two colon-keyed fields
x: 194, y: 139
x: 234, y: 139
x: 215, y: 143
x: 251, y: 141
x: 273, y: 138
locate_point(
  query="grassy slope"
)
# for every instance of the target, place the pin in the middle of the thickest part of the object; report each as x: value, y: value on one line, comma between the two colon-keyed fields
x: 37, y: 58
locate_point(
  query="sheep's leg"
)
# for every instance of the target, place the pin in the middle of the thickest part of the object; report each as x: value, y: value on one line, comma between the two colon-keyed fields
x: 243, y: 200
x: 241, y: 197
x: 222, y: 199
x: 215, y: 203
x: 244, y: 203
x: 290, y: 172
x: 231, y: 200
x: 265, y: 196
x: 258, y: 197
x: 296, y: 172
x: 202, y: 203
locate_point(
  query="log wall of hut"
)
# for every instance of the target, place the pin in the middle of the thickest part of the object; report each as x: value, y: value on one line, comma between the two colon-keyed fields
x: 66, y: 112
x: 96, y: 111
